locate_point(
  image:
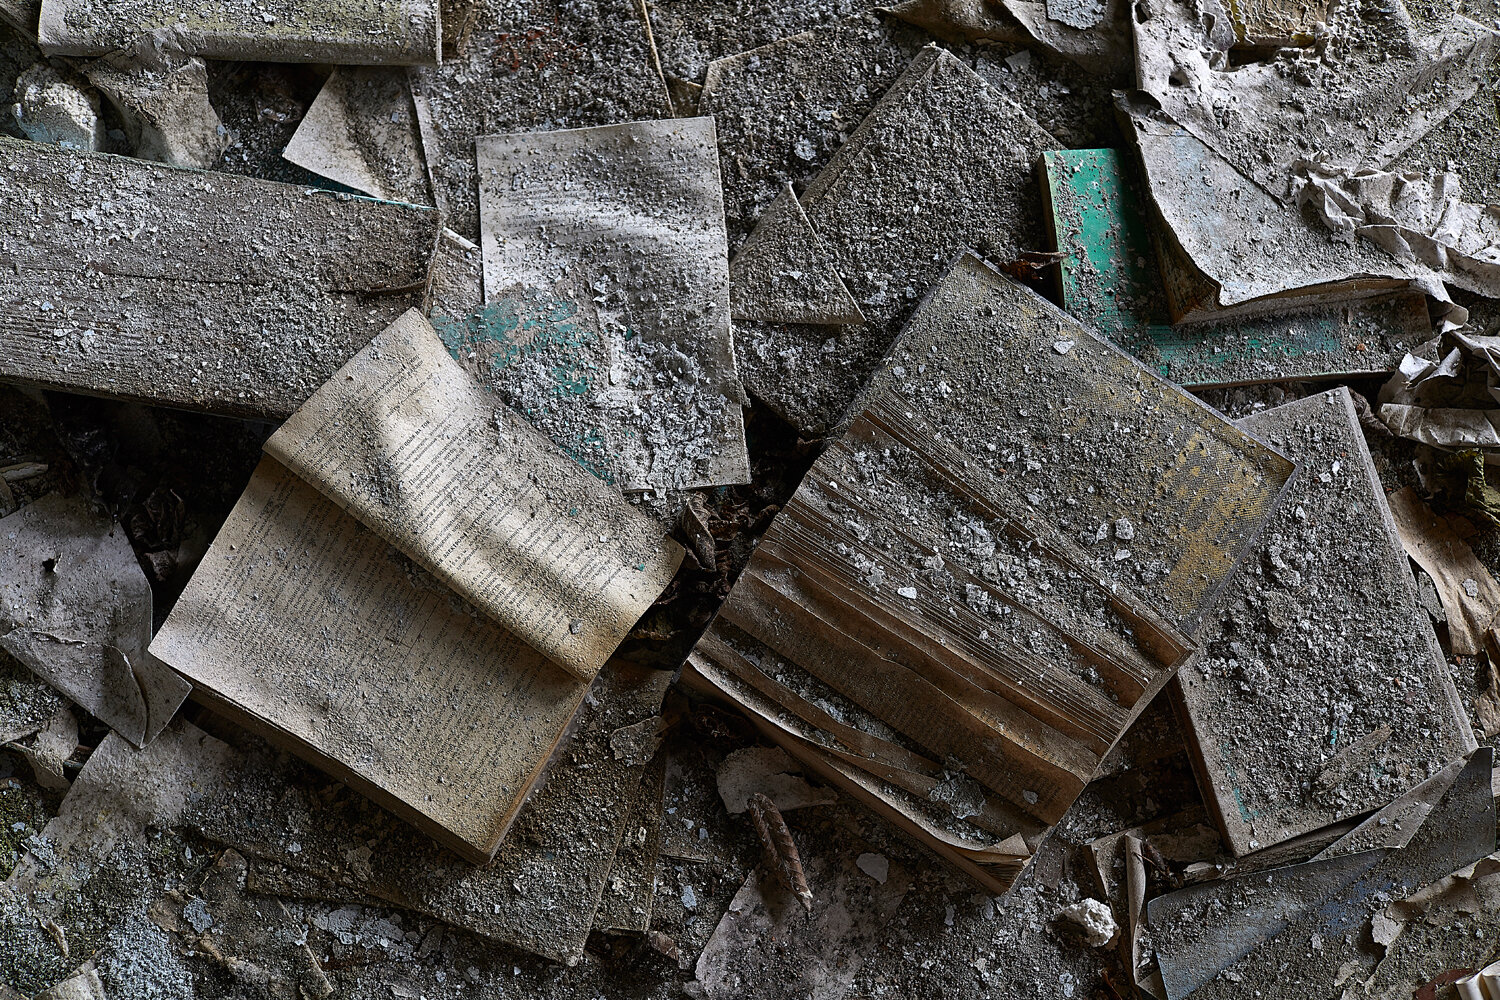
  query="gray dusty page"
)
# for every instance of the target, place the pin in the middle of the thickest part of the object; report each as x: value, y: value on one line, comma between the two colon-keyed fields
x: 404, y: 440
x: 606, y: 285
x: 400, y: 32
x: 305, y: 626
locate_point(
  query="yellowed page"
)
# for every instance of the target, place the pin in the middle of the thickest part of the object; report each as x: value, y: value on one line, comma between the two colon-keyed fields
x: 305, y: 625
x: 406, y: 441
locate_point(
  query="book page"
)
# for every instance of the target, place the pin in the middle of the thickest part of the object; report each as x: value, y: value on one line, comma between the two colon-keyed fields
x: 606, y: 298
x: 305, y: 626
x: 407, y: 442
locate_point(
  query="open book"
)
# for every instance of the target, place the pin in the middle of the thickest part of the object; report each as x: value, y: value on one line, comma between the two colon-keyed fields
x: 989, y: 574
x: 415, y: 591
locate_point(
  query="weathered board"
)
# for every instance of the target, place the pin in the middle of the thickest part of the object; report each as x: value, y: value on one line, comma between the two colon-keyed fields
x: 1109, y: 278
x: 996, y: 565
x: 1320, y: 692
x: 196, y: 290
x: 364, y: 32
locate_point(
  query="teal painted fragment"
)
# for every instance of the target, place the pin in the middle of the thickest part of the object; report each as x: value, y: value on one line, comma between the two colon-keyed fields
x: 1110, y: 278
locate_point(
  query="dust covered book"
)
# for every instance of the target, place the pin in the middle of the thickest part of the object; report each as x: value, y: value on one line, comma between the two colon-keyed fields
x: 415, y: 591
x: 990, y: 572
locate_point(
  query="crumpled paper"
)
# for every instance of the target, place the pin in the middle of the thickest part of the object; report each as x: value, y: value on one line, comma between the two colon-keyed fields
x: 1452, y: 403
x: 1416, y: 217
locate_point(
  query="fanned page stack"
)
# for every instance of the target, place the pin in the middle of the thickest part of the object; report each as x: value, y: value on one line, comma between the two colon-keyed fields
x: 415, y: 591
x: 989, y: 574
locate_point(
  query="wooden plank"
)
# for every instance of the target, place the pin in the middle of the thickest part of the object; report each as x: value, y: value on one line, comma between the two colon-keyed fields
x: 403, y: 32
x: 1320, y: 691
x: 196, y: 290
x: 1097, y: 211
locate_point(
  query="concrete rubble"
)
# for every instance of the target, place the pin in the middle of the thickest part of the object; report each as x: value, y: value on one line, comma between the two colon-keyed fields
x: 722, y: 498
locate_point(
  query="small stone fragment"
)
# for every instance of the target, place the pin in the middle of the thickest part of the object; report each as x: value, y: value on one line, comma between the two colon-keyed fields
x: 50, y: 109
x: 877, y: 866
x: 1094, y: 919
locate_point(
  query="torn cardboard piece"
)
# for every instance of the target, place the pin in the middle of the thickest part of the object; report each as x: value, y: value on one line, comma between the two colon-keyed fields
x: 1418, y: 218
x: 178, y: 288
x: 883, y: 583
x: 1324, y: 602
x: 887, y: 210
x: 437, y: 712
x: 362, y: 131
x: 77, y: 612
x: 1095, y: 34
x: 401, y: 33
x: 607, y: 246
x: 1098, y: 216
x: 1468, y: 591
x: 161, y: 96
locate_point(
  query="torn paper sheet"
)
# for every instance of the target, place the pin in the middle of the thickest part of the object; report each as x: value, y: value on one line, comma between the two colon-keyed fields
x: 161, y: 96
x: 1449, y: 403
x: 362, y: 131
x: 1381, y: 80
x: 77, y: 611
x: 1420, y: 218
x: 630, y: 891
x: 201, y: 291
x: 786, y: 273
x: 1095, y: 34
x: 1099, y: 217
x: 306, y: 626
x: 782, y: 110
x: 767, y: 771
x: 606, y: 282
x: 850, y: 910
x: 532, y: 359
x: 546, y: 884
x: 1449, y: 925
x: 1229, y: 248
x: 690, y: 34
x: 1324, y: 602
x: 1225, y: 942
x: 1469, y: 592
x: 50, y: 749
x: 525, y: 67
x: 408, y: 444
x: 886, y: 211
x: 401, y: 32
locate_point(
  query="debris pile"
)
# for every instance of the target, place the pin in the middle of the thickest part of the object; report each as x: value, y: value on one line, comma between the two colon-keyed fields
x: 543, y: 498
